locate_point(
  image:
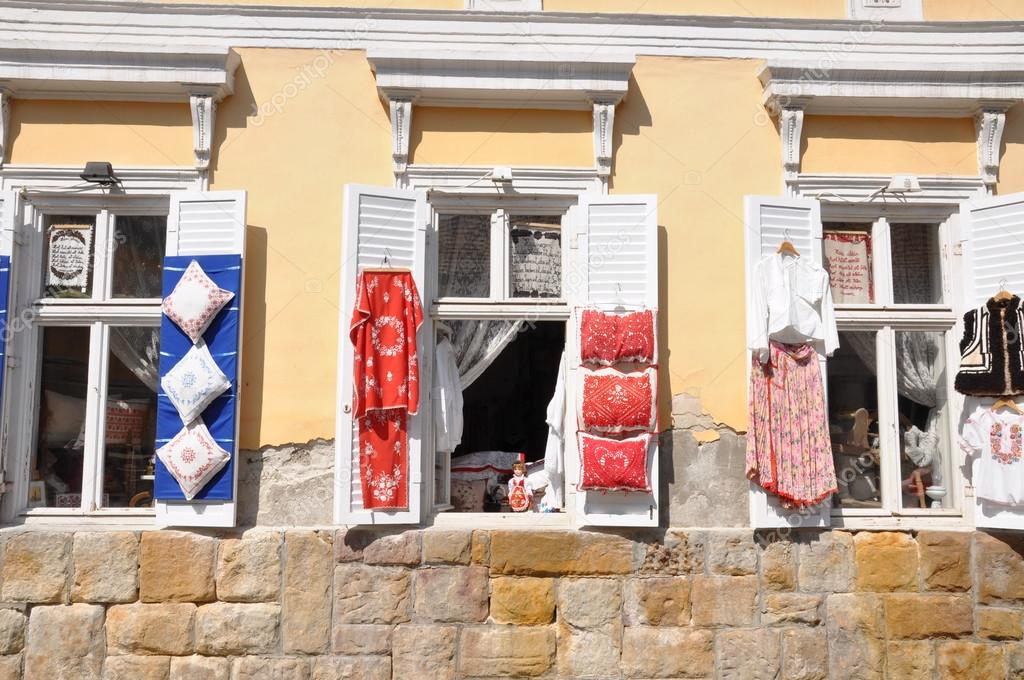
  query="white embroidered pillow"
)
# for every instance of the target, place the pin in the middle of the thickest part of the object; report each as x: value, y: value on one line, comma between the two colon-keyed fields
x: 195, y: 301
x: 194, y: 383
x: 193, y: 458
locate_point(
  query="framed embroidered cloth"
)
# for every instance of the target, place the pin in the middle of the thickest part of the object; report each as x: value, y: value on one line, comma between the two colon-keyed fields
x: 612, y: 401
x: 614, y: 464
x: 195, y: 302
x: 608, y: 338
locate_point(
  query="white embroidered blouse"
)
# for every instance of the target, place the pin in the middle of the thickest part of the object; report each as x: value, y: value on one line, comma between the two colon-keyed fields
x: 792, y: 303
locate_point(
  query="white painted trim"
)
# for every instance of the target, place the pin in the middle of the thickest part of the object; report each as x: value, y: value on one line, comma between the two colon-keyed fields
x: 203, y: 108
x: 853, y: 191
x: 471, y: 182
x: 5, y: 122
x: 107, y: 69
x: 400, y: 109
x: 885, y: 10
x: 64, y: 181
x: 989, y: 123
x: 505, y: 5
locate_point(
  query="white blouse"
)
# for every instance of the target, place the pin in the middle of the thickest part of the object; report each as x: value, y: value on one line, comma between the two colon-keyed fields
x: 447, y: 399
x: 997, y: 439
x: 792, y: 304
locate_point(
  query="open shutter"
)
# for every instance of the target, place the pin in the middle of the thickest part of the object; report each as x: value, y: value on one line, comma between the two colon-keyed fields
x: 208, y: 227
x: 9, y: 211
x: 379, y: 222
x: 992, y: 234
x: 614, y: 253
x: 770, y: 220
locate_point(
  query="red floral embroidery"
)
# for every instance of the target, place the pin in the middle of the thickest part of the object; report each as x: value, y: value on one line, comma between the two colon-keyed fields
x: 607, y: 338
x: 195, y: 301
x: 996, y: 442
x: 614, y: 464
x: 612, y: 401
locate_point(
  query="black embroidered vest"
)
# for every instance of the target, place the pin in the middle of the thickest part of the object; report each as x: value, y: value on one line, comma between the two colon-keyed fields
x: 991, y: 351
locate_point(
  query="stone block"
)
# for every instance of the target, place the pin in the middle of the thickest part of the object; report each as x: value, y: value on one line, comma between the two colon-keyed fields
x: 558, y: 553
x: 261, y: 668
x: 447, y: 546
x: 732, y: 553
x: 657, y: 601
x: 523, y: 600
x: 361, y: 638
x: 364, y: 594
x: 12, y: 631
x: 999, y: 565
x: 709, y: 487
x: 589, y: 654
x: 451, y: 594
x: 352, y: 668
x: 969, y: 660
x: 199, y: 668
x: 249, y: 568
x: 804, y: 654
x: 176, y: 566
x: 749, y: 654
x: 778, y: 566
x: 10, y: 667
x: 137, y: 668
x: 35, y: 567
x: 424, y: 651
x: 999, y: 624
x: 1014, y: 655
x: 826, y: 562
x: 481, y: 548
x: 915, y: 617
x: 403, y: 549
x: 106, y: 566
x: 287, y: 486
x: 856, y: 635
x: 667, y: 653
x: 589, y: 603
x: 308, y: 571
x: 65, y: 642
x: 787, y: 608
x: 151, y: 629
x: 945, y: 560
x: 229, y: 629
x: 349, y: 544
x: 506, y: 651
x: 886, y: 561
x: 910, y: 660
x: 723, y: 600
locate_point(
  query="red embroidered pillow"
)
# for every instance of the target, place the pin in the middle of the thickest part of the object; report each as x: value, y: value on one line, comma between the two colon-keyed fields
x: 608, y: 338
x: 614, y: 464
x: 613, y: 401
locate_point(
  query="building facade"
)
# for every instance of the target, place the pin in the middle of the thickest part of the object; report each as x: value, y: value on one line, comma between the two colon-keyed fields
x: 521, y: 161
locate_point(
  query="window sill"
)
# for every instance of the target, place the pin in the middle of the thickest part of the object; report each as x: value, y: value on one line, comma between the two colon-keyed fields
x: 502, y: 520
x: 113, y: 518
x: 945, y: 521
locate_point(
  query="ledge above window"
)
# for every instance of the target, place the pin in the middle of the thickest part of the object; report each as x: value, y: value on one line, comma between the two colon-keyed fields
x: 513, y: 79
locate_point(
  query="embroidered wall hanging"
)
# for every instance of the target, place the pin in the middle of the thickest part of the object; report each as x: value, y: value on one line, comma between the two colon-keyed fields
x: 614, y: 464
x: 613, y: 401
x: 608, y: 338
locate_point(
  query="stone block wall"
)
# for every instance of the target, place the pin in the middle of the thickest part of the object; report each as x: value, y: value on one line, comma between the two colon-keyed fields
x: 437, y: 604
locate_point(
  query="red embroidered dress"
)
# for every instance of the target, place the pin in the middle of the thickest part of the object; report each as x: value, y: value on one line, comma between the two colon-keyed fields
x: 385, y: 382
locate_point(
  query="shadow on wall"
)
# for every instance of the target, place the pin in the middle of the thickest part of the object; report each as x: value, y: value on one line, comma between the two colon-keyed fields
x: 631, y: 115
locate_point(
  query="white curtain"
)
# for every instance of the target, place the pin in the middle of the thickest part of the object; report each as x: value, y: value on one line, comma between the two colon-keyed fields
x: 138, y: 348
x: 477, y: 343
x: 917, y: 363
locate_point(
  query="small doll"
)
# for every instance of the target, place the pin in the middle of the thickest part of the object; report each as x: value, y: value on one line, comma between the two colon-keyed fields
x: 520, y: 490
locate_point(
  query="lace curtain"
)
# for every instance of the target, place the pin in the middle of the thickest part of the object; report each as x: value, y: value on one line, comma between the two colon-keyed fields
x: 477, y: 343
x: 138, y: 348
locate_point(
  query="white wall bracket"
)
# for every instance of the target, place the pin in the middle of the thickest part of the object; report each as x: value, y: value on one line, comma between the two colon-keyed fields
x: 5, y: 122
x: 989, y: 123
x: 204, y: 107
x: 400, y: 108
x: 604, y: 128
x: 791, y: 132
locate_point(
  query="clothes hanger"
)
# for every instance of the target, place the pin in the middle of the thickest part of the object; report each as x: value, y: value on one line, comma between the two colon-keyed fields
x: 1007, y: 402
x: 787, y: 247
x: 385, y: 265
x: 1003, y: 294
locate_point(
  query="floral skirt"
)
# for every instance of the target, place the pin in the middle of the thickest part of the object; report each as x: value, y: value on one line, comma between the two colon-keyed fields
x: 384, y: 459
x: 789, y: 452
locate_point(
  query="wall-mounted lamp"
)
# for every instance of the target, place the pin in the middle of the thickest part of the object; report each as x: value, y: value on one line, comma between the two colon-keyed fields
x: 99, y: 172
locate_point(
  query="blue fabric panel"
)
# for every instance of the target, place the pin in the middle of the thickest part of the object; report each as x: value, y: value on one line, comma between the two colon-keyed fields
x: 222, y: 337
x: 5, y: 287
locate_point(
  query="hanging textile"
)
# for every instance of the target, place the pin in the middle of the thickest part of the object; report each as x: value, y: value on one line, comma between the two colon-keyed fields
x: 477, y: 343
x: 448, y: 417
x: 789, y: 452
x: 138, y: 348
x: 554, y: 460
x: 385, y: 382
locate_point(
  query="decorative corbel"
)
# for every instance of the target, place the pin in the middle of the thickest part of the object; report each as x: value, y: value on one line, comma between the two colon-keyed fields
x: 5, y: 121
x: 400, y: 108
x: 989, y: 122
x: 204, y: 107
x: 604, y: 126
x: 791, y: 132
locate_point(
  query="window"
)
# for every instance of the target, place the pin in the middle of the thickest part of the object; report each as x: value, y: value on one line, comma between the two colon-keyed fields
x: 92, y: 297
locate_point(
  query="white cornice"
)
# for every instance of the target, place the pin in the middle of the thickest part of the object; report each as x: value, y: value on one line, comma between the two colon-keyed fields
x: 856, y: 191
x: 929, y: 89
x: 516, y: 34
x: 107, y: 70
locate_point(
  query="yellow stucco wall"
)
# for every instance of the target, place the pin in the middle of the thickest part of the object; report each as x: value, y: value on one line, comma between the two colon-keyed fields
x: 882, y: 145
x: 71, y: 133
x: 973, y: 10
x: 1011, y: 168
x: 817, y: 9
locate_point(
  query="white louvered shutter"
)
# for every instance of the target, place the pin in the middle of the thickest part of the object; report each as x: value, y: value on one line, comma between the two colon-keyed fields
x: 615, y: 261
x: 208, y: 227
x: 770, y: 220
x: 379, y: 222
x: 9, y: 215
x: 992, y: 234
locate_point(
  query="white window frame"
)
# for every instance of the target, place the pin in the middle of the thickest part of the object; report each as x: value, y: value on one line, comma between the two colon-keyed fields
x: 544, y: 191
x: 941, y: 206
x: 59, y: 190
